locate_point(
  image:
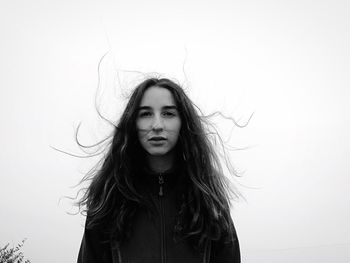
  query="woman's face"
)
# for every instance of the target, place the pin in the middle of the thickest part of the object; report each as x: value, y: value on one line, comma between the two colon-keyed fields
x: 158, y: 122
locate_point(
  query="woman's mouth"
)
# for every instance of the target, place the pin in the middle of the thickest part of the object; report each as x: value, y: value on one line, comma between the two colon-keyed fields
x: 157, y: 138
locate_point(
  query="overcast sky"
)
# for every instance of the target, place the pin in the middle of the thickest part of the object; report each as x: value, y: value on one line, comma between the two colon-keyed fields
x: 286, y: 61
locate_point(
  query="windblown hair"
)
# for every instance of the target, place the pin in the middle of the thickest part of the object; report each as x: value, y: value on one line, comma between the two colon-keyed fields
x: 113, y: 197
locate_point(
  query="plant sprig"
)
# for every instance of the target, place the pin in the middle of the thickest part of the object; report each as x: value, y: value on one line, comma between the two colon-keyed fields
x: 13, y: 255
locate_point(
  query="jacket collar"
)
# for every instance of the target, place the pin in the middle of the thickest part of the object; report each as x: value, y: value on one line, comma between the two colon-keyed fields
x: 152, y: 181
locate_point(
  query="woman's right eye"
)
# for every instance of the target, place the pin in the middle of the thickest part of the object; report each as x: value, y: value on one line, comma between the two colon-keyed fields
x: 145, y: 114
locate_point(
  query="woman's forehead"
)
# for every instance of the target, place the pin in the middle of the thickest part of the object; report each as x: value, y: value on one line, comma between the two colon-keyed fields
x: 157, y: 97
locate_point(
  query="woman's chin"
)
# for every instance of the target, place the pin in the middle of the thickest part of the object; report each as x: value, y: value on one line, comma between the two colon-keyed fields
x: 158, y: 153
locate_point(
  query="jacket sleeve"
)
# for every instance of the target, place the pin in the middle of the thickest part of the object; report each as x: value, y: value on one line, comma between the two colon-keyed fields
x: 94, y: 248
x: 226, y: 252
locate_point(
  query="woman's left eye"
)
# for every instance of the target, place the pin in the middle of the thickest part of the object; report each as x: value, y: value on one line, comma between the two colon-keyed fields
x: 168, y: 113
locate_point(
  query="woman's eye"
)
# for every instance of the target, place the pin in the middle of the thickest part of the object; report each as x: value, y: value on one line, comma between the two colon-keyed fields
x: 168, y: 114
x: 145, y: 114
x: 165, y: 114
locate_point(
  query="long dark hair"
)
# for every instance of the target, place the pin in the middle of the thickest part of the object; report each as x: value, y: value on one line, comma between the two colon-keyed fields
x: 112, y: 197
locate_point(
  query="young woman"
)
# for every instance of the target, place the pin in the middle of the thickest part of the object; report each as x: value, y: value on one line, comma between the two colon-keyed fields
x: 160, y: 195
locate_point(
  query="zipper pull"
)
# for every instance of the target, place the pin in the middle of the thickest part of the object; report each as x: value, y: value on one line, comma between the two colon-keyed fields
x: 161, y: 182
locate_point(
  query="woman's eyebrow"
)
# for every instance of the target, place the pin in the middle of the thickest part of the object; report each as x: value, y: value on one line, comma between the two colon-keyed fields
x: 168, y: 107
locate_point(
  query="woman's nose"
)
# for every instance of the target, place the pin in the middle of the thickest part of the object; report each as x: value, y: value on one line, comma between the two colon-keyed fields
x: 157, y: 123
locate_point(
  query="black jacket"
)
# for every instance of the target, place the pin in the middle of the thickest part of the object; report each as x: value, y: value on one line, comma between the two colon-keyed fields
x: 152, y: 237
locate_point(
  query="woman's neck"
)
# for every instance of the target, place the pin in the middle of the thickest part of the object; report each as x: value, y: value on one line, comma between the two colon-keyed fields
x: 161, y: 163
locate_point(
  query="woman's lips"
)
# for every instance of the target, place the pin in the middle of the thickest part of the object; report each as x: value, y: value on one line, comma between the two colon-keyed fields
x: 157, y: 142
x: 157, y: 139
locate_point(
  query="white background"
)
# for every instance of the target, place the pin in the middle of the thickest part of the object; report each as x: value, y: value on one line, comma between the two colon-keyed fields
x: 286, y: 61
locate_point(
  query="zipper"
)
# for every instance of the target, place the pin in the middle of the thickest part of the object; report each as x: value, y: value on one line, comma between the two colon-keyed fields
x: 161, y: 182
x: 162, y: 216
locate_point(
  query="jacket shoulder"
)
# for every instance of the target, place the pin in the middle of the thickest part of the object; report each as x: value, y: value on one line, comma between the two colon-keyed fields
x: 95, y: 246
x: 226, y: 251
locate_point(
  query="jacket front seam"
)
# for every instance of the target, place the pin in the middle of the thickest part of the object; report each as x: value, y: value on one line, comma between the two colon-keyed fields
x: 162, y: 219
x: 162, y: 231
